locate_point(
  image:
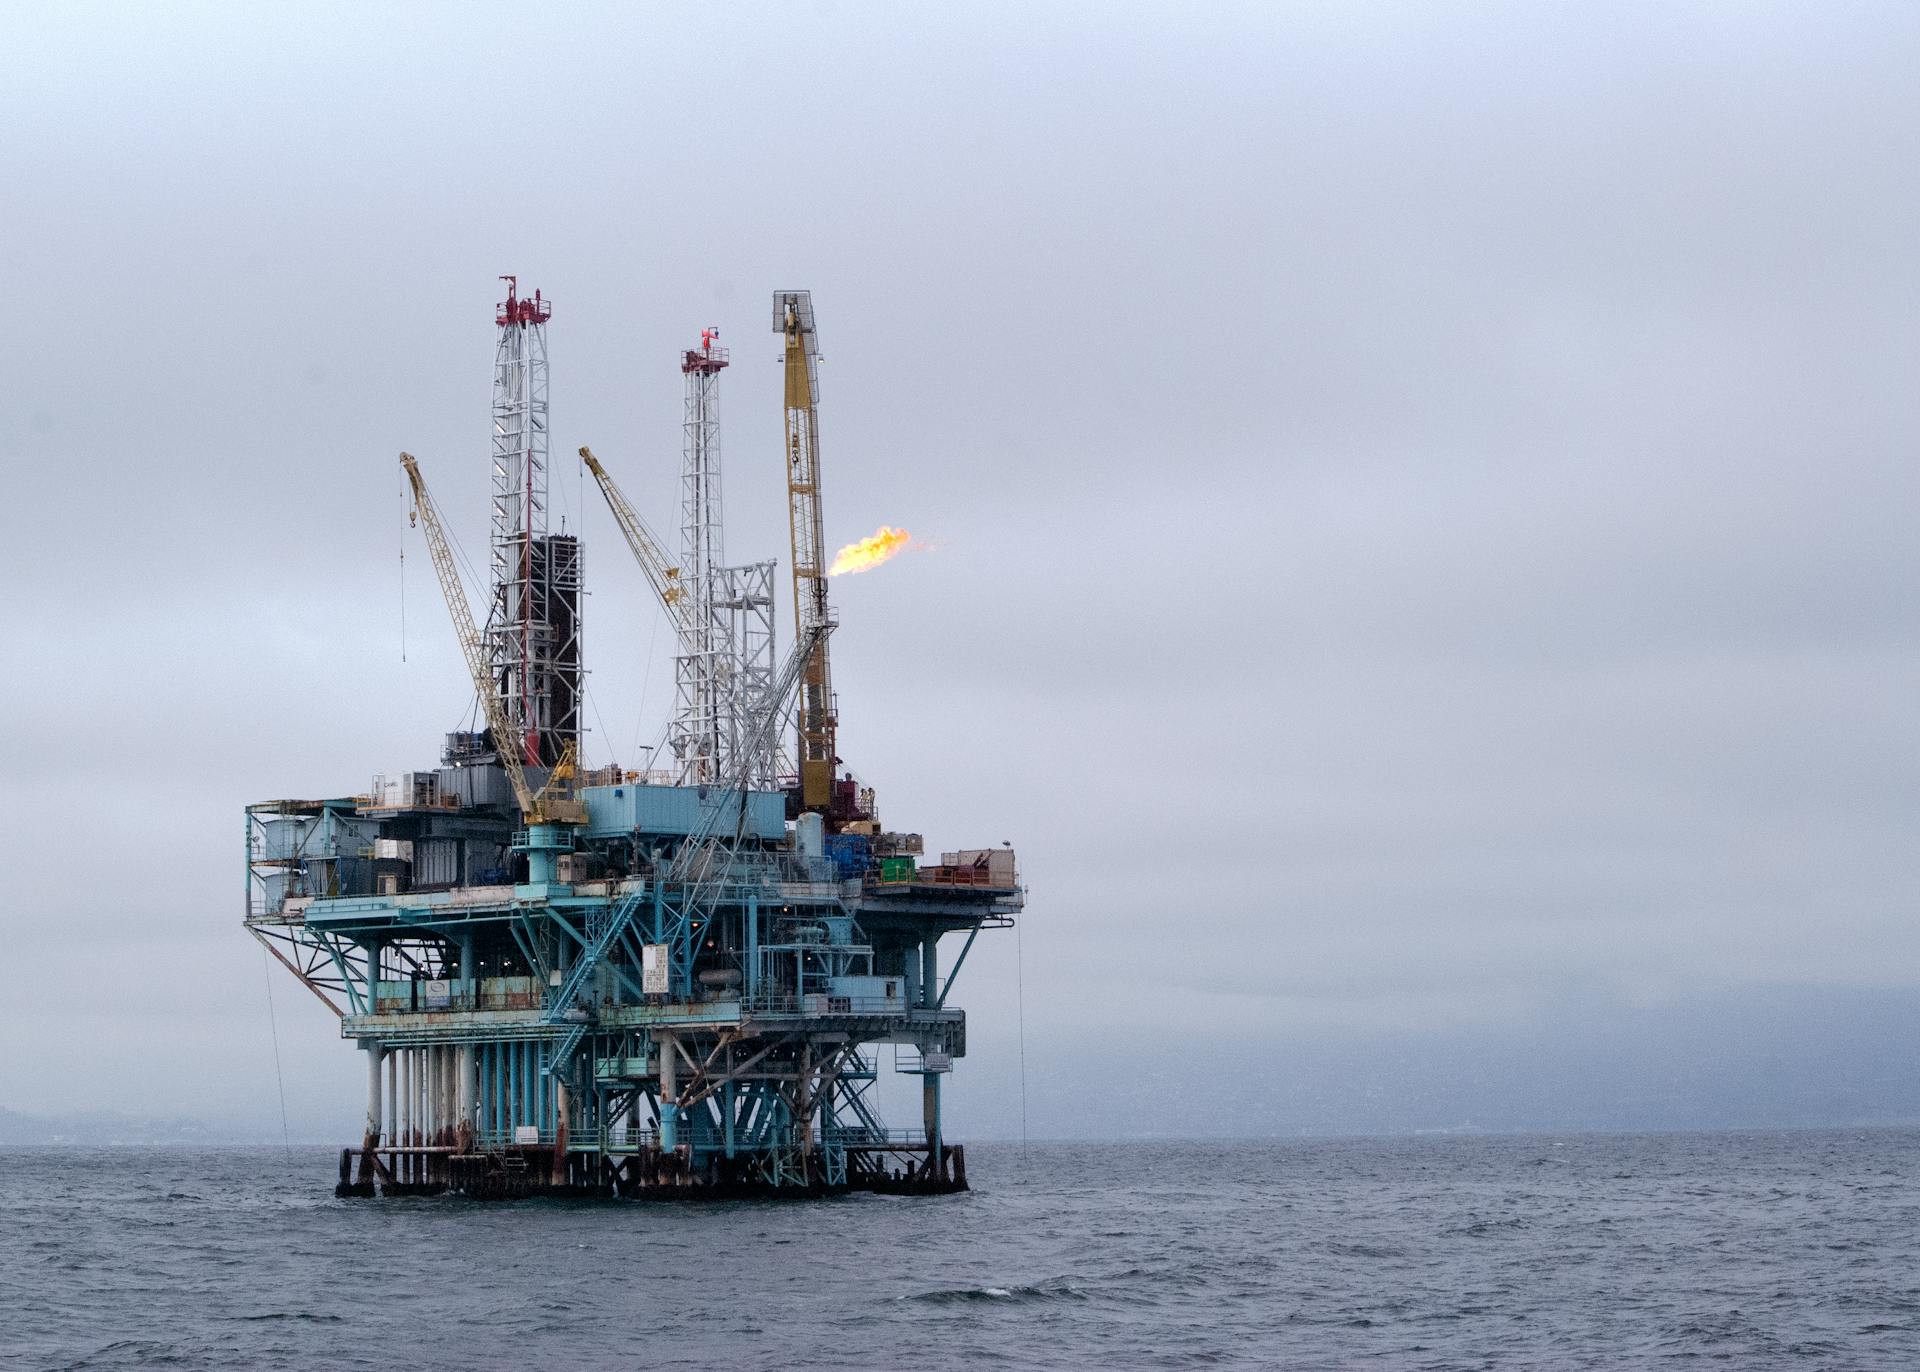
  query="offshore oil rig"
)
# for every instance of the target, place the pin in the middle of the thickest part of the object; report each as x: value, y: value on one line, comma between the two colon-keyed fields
x: 679, y: 981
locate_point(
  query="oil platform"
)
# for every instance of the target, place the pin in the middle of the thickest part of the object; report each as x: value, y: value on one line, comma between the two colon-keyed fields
x: 673, y: 982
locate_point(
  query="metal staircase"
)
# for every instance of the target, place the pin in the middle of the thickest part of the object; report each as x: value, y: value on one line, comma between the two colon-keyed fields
x: 696, y: 868
x: 604, y: 926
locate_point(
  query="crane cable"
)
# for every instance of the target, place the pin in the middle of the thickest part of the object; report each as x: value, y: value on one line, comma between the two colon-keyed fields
x: 403, y: 569
x: 646, y: 680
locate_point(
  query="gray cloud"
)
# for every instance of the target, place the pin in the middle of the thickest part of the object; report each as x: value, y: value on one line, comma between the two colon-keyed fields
x: 1422, y: 497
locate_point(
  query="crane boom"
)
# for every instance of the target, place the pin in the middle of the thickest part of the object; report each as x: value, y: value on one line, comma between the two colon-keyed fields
x: 506, y: 738
x: 818, y: 724
x: 662, y: 575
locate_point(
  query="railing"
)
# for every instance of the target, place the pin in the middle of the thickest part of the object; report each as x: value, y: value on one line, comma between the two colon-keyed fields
x: 620, y: 776
x: 821, y: 1003
x: 498, y: 1141
x: 634, y: 1140
x: 495, y: 993
x: 389, y: 793
x: 536, y: 997
x: 861, y: 1136
x: 957, y: 876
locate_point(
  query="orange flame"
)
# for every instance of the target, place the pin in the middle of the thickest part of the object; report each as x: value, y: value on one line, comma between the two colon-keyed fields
x: 869, y: 552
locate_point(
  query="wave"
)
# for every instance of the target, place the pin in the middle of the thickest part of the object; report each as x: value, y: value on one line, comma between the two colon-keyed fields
x: 1056, y: 1290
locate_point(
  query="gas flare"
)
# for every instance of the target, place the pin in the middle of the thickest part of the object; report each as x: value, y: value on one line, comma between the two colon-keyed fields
x: 870, y: 552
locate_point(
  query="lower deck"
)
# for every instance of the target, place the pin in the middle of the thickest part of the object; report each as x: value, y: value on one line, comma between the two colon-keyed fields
x: 646, y: 1171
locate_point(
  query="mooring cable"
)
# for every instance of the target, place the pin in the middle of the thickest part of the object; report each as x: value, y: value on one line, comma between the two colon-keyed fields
x: 1020, y: 1020
x: 279, y: 1078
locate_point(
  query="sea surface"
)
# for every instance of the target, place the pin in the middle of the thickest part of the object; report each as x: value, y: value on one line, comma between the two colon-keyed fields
x: 1755, y: 1250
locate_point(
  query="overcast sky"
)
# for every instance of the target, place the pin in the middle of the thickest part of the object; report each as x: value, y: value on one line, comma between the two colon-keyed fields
x: 1421, y: 502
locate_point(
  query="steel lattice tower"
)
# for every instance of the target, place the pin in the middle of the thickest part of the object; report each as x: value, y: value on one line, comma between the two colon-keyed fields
x: 704, y: 673
x: 742, y: 605
x: 533, y: 627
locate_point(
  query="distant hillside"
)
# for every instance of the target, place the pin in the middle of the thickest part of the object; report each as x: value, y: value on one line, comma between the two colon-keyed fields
x: 100, y: 1128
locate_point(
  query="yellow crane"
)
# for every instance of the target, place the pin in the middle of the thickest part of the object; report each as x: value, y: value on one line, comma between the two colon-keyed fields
x: 547, y: 806
x: 661, y: 574
x: 818, y: 723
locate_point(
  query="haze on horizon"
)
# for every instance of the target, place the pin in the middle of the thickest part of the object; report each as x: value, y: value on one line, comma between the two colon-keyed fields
x: 1420, y: 496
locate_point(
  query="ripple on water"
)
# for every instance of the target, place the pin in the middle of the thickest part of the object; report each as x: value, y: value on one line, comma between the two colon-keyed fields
x: 1790, y: 1251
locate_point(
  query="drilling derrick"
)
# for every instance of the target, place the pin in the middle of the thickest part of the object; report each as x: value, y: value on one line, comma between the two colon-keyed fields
x: 703, y: 680
x: 729, y: 666
x: 722, y: 616
x: 817, y: 725
x: 533, y: 628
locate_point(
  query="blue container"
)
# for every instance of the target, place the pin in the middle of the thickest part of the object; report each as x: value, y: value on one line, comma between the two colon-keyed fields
x: 851, y: 854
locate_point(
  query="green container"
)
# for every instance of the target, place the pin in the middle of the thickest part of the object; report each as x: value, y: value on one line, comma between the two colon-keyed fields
x: 897, y: 869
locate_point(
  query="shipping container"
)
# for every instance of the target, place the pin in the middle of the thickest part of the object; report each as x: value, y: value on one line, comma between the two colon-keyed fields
x: 851, y: 854
x: 897, y: 869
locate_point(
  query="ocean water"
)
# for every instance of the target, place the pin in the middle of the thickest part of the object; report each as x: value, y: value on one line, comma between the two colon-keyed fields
x: 1756, y: 1250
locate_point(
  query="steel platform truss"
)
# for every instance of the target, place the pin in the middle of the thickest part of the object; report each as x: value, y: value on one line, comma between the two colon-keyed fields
x: 740, y: 603
x: 515, y: 1045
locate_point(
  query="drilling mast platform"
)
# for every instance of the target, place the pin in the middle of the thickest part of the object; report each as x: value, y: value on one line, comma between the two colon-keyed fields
x: 665, y: 983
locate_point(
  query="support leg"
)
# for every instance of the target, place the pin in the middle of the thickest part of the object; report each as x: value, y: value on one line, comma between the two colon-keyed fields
x: 370, y: 1140
x: 562, y: 1101
x: 669, y: 1095
x: 930, y: 1113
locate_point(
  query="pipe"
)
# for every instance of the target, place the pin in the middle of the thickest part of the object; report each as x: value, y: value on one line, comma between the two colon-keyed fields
x: 669, y: 1091
x: 753, y: 950
x: 373, y: 976
x: 803, y: 1110
x: 406, y: 1108
x: 465, y: 1098
x: 469, y: 983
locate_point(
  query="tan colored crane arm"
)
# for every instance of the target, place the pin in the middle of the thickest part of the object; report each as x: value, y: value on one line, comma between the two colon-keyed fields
x: 662, y: 575
x: 818, y: 726
x: 506, y: 738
